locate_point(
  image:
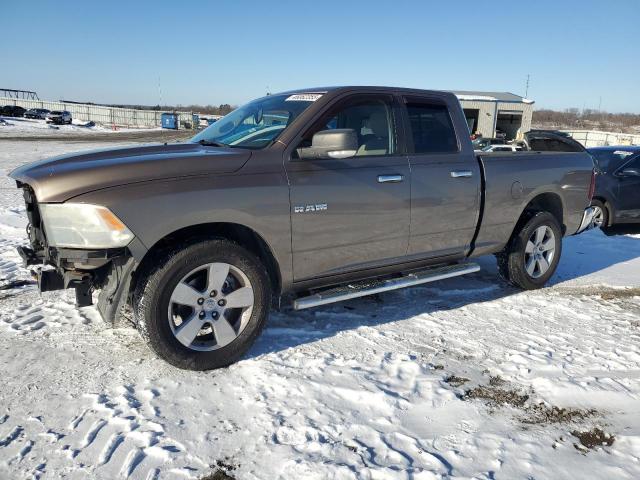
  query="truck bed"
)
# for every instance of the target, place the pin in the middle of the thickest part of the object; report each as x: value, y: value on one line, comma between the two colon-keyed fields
x: 512, y: 180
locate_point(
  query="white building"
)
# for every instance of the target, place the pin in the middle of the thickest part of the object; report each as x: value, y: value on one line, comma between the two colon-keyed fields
x: 488, y: 112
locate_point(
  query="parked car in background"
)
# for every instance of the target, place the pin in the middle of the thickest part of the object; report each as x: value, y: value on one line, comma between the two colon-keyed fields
x: 59, y: 117
x: 551, y: 141
x: 555, y: 132
x: 38, y: 113
x: 617, y: 195
x: 502, y: 148
x: 480, y: 143
x: 201, y: 238
x: 12, y: 111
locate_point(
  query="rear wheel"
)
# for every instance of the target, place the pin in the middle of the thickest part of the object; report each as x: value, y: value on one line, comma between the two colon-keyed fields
x: 204, y: 306
x: 532, y: 255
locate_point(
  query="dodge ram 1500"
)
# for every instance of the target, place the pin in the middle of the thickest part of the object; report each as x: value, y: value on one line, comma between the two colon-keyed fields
x: 303, y: 198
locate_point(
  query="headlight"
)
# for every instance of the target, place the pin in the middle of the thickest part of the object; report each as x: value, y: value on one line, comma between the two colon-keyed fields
x: 79, y: 225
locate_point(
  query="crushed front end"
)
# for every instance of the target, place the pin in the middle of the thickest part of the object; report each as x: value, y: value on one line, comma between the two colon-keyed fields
x: 70, y: 261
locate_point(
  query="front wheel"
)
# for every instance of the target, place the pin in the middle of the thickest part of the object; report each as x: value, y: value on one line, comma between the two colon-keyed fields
x: 600, y: 215
x: 532, y: 255
x: 204, y: 306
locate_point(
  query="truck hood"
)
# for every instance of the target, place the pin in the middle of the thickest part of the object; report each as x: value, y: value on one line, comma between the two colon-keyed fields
x: 60, y: 178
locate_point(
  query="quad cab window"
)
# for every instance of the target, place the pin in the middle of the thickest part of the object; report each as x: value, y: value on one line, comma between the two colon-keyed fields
x: 431, y: 128
x: 369, y: 116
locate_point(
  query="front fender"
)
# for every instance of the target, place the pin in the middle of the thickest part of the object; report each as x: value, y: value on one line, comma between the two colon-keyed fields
x: 153, y: 210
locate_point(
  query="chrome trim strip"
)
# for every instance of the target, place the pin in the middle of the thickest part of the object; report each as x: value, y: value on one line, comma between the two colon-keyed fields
x: 367, y: 288
x: 461, y: 173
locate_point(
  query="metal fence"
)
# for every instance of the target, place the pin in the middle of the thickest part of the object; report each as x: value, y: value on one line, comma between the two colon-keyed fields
x: 108, y: 116
x: 595, y: 138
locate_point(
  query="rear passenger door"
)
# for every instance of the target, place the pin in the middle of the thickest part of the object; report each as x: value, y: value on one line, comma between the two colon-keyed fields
x: 445, y: 178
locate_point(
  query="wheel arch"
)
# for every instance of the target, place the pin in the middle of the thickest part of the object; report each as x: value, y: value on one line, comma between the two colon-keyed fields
x: 240, y: 234
x: 608, y: 205
x: 543, y: 202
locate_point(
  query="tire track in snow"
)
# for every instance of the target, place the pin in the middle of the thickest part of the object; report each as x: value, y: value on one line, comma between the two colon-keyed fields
x: 120, y: 436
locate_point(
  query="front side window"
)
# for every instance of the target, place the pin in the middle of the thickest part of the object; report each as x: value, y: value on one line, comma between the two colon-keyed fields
x: 372, y: 120
x: 431, y: 128
x: 258, y: 123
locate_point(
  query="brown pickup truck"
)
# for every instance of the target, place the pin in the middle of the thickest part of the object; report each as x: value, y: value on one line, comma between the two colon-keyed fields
x: 303, y: 198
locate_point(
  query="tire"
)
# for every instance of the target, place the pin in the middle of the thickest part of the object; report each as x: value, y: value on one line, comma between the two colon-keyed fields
x: 159, y: 316
x: 514, y: 263
x: 601, y: 217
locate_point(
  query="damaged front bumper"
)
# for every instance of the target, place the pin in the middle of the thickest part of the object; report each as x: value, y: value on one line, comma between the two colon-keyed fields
x: 107, y: 270
x: 85, y: 270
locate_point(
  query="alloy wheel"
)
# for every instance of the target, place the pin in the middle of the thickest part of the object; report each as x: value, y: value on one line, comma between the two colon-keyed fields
x: 210, y: 306
x: 598, y: 217
x: 539, y: 251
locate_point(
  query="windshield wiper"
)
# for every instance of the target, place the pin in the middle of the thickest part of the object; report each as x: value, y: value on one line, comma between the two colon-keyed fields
x: 208, y: 143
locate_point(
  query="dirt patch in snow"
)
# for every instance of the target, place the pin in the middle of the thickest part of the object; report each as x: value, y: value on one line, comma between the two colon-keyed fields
x: 593, y: 438
x: 604, y: 292
x: 218, y: 475
x: 495, y: 395
x: 545, y: 414
x: 455, y: 381
x: 614, y: 294
x: 222, y: 472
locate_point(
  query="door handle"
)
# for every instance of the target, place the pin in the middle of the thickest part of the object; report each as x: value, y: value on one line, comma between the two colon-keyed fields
x: 461, y: 173
x: 390, y: 178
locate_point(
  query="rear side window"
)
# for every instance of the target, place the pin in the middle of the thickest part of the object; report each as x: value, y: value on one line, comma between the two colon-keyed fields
x: 549, y: 144
x: 431, y: 128
x: 635, y: 163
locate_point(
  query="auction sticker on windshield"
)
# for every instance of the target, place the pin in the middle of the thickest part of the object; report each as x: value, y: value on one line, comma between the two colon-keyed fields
x: 304, y: 97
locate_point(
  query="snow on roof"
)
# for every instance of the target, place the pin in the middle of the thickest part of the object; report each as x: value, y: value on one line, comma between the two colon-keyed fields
x: 490, y: 96
x: 476, y: 97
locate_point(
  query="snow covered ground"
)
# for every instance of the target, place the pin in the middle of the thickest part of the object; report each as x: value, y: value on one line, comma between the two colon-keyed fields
x: 466, y: 378
x: 12, y: 126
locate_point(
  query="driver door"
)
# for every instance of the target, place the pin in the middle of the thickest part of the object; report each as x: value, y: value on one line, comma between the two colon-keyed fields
x: 351, y: 214
x: 628, y: 204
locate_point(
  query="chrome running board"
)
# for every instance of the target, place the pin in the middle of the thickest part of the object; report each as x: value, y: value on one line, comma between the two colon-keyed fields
x: 364, y: 288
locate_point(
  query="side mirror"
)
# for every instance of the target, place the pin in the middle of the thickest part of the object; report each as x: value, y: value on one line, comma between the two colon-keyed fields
x: 630, y: 172
x: 338, y: 143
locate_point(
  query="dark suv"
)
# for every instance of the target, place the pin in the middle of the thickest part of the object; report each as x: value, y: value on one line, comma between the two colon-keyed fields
x: 617, y: 195
x: 12, y: 111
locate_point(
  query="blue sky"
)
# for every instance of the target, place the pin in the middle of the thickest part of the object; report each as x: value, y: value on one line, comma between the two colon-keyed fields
x: 578, y: 53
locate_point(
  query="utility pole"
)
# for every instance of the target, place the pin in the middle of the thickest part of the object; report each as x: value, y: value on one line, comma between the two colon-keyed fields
x: 159, y: 91
x: 526, y: 92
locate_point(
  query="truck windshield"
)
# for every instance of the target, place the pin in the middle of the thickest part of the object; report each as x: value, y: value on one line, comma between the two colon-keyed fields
x: 258, y: 123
